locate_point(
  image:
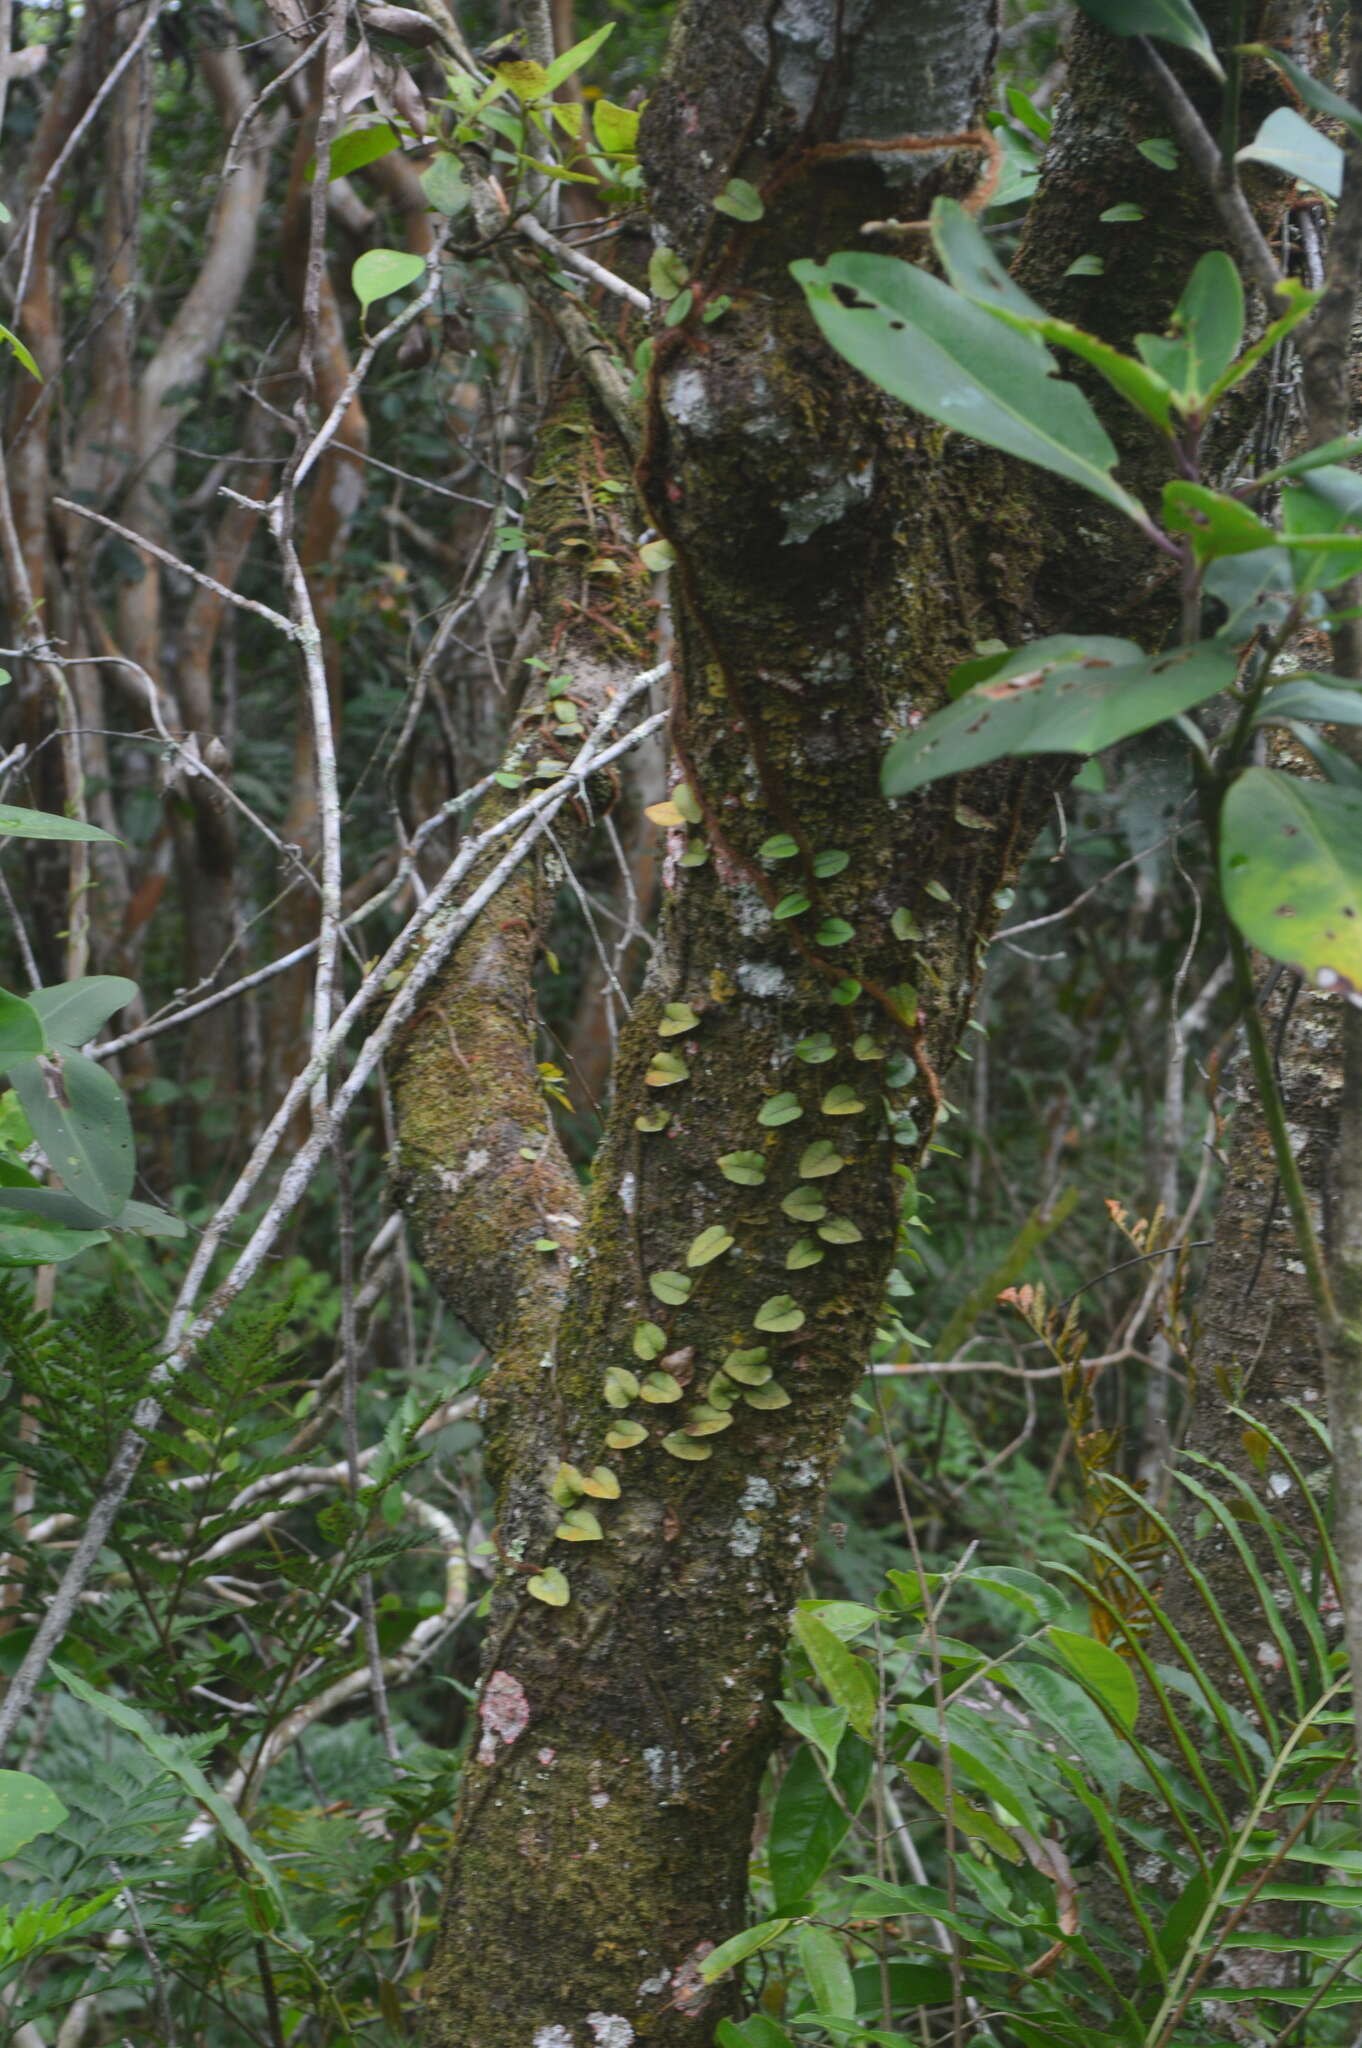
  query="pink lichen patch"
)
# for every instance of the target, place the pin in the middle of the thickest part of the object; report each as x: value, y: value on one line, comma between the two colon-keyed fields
x: 546, y: 1755
x: 504, y: 1712
x: 690, y: 1993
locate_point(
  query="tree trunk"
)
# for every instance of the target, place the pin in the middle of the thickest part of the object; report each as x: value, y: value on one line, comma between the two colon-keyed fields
x: 835, y: 558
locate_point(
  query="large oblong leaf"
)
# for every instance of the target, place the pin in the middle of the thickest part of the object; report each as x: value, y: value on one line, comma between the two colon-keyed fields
x: 77, y: 1114
x: 1290, y: 145
x: 1173, y: 21
x: 73, y: 1011
x: 1064, y: 695
x: 948, y: 358
x: 1291, y: 873
x: 28, y: 1808
x: 1324, y: 699
x: 47, y: 825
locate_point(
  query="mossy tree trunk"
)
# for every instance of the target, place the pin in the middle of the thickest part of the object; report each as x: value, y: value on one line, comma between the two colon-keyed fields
x: 835, y: 558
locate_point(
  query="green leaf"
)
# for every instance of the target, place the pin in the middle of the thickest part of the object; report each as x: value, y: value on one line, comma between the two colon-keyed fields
x: 749, y: 1367
x: 803, y: 1252
x: 808, y: 1822
x: 550, y: 1586
x: 824, y: 1727
x: 1215, y: 524
x: 650, y: 1340
x: 710, y: 1244
x: 829, y: 862
x: 1347, y: 446
x: 815, y: 1049
x: 21, y: 1028
x: 769, y: 1395
x: 824, y: 1964
x: 170, y: 1754
x: 657, y: 556
x: 756, y: 2031
x: 739, y: 1947
x: 360, y: 146
x: 1291, y: 872
x: 660, y: 1389
x: 840, y: 1230
x: 740, y: 200
x: 780, y: 1109
x: 666, y: 272
x: 747, y: 1169
x: 681, y: 1445
x: 1062, y: 695
x: 28, y: 1808
x: 834, y: 931
x: 666, y: 1070
x: 841, y: 1101
x: 846, y: 1678
x: 380, y: 272
x: 77, y: 1114
x: 22, y: 824
x: 820, y: 1159
x: 948, y: 358
x: 1300, y: 303
x: 1321, y: 97
x: 1328, y: 503
x: 1126, y: 210
x: 42, y: 1244
x: 1322, y: 698
x: 929, y: 1781
x: 1086, y: 266
x: 1288, y: 144
x: 616, y: 127
x: 1102, y: 1671
x: 671, y: 1288
x: 793, y: 905
x: 779, y: 846
x: 1207, y: 328
x: 1172, y: 21
x: 73, y: 1011
x: 1160, y: 151
x: 779, y: 1312
x: 676, y: 1018
x: 25, y: 355
x: 805, y: 1205
x: 572, y: 60
x: 444, y: 184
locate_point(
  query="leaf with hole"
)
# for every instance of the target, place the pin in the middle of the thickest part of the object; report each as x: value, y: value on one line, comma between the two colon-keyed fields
x: 710, y: 1244
x: 1171, y: 21
x: 780, y: 1109
x: 76, y: 1112
x: 1062, y: 695
x: 746, y: 1169
x: 1291, y: 872
x: 779, y: 1312
x: 378, y: 273
x: 949, y: 358
x: 1215, y: 524
x: 818, y: 1160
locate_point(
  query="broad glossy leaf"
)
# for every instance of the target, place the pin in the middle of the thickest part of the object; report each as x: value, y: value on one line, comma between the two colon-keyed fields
x: 1339, y: 451
x: 73, y: 1011
x: 42, y: 1244
x: 1291, y: 872
x: 756, y: 2031
x: 846, y: 1678
x: 1106, y: 1674
x: 380, y: 272
x: 1217, y: 525
x: 1290, y: 145
x: 360, y: 146
x: 21, y: 1028
x: 972, y: 266
x: 77, y: 1114
x: 710, y: 1244
x: 22, y: 824
x: 807, y: 1823
x: 1299, y: 304
x: 1321, y: 97
x: 28, y: 1808
x: 1207, y: 328
x: 739, y: 1947
x: 1327, y: 503
x: 1324, y: 699
x: 1256, y: 590
x: 1062, y: 695
x: 946, y: 357
x: 824, y: 1727
x: 824, y: 1963
x: 1172, y: 21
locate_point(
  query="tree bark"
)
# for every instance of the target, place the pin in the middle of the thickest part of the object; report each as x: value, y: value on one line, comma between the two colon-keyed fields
x: 835, y: 558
